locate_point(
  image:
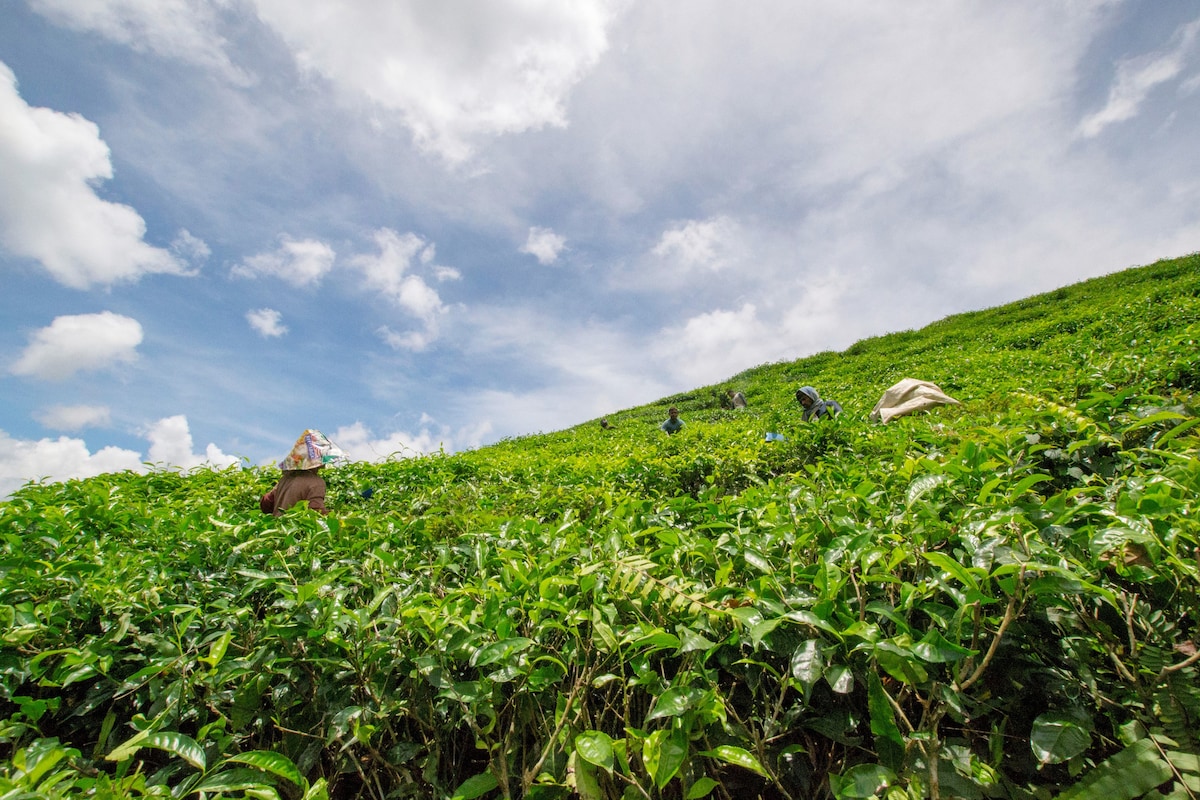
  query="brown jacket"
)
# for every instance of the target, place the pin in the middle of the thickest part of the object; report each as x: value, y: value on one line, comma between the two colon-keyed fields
x: 296, y: 486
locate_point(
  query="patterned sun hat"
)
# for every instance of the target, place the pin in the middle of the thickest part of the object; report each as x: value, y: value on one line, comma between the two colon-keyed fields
x: 313, y: 449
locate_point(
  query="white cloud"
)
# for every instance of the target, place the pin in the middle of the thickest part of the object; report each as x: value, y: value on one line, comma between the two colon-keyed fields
x: 68, y: 458
x: 190, y: 248
x: 181, y: 29
x: 301, y: 262
x: 49, y: 210
x: 58, y: 459
x: 544, y: 245
x: 171, y: 446
x: 710, y: 347
x: 709, y: 245
x: 80, y: 343
x: 267, y: 321
x: 416, y: 341
x: 1137, y: 77
x: 74, y: 418
x: 452, y: 71
x: 389, y: 274
x: 443, y: 274
x: 361, y: 444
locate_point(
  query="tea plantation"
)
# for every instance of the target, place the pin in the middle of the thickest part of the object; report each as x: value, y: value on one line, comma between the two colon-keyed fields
x: 998, y: 599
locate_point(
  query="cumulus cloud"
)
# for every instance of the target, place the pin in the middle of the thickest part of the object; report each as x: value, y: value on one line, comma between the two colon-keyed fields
x: 361, y: 444
x: 267, y: 321
x: 544, y: 245
x: 49, y: 210
x: 389, y: 273
x: 171, y: 446
x: 301, y: 262
x: 180, y: 29
x: 452, y: 71
x: 1137, y: 77
x: 58, y: 459
x: 708, y: 245
x: 67, y: 458
x: 74, y: 418
x: 80, y: 343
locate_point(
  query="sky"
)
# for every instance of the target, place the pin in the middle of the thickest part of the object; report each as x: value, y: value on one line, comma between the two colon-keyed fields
x: 434, y: 224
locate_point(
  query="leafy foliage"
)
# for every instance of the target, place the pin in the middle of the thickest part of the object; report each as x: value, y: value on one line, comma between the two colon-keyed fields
x: 997, y: 599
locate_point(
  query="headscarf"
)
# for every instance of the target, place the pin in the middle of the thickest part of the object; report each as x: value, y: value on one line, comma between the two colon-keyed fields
x: 313, y: 449
x: 817, y: 407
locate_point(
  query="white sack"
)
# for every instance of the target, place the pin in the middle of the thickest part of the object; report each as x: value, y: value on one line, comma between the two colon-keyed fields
x: 907, y: 396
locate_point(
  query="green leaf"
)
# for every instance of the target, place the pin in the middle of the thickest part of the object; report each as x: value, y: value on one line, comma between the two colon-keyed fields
x: 936, y: 649
x: 178, y: 744
x: 1059, y: 737
x: 1129, y: 774
x: 318, y: 791
x: 674, y: 702
x: 272, y: 762
x: 900, y: 663
x: 664, y: 752
x: 953, y: 568
x: 587, y: 782
x: 922, y: 486
x: 595, y: 747
x: 808, y: 663
x: 238, y: 779
x: 736, y: 756
x: 499, y: 651
x: 758, y: 561
x: 40, y: 757
x: 216, y: 651
x: 760, y: 630
x: 863, y: 781
x: 889, y: 742
x: 1181, y: 428
x: 701, y: 788
x: 1025, y: 484
x: 475, y: 786
x: 840, y: 678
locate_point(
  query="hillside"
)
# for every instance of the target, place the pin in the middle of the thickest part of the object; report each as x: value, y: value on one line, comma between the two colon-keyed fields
x: 995, y: 599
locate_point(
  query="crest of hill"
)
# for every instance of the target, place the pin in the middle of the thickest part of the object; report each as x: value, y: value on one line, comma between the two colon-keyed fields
x: 1046, y: 342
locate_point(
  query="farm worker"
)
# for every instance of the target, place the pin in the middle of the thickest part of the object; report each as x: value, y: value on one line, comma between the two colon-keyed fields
x: 301, y: 481
x: 814, y: 406
x: 673, y: 423
x: 737, y: 398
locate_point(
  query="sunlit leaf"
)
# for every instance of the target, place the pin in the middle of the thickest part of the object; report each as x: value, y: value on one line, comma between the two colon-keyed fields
x: 737, y: 756
x: 274, y: 763
x: 595, y: 747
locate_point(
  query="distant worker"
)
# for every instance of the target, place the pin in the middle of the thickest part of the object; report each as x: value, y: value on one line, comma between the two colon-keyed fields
x: 673, y: 423
x: 604, y: 423
x: 814, y: 406
x: 301, y: 481
x: 737, y: 398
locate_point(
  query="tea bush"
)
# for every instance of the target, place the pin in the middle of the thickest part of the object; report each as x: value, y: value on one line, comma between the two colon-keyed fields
x: 997, y: 599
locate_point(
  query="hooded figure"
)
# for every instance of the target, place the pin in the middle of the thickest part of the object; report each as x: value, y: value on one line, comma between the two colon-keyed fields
x: 301, y: 481
x: 814, y: 406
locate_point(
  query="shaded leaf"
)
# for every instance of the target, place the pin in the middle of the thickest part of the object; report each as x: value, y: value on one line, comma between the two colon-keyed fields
x: 1058, y: 737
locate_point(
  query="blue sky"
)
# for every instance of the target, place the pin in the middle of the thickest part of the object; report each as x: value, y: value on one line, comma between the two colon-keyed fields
x: 417, y: 225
